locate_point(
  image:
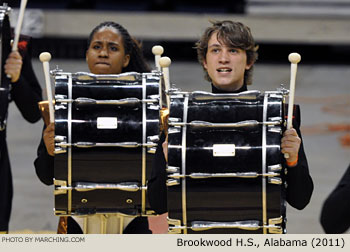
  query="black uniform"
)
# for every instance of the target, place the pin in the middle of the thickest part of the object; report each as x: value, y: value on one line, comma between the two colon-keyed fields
x: 335, y: 215
x: 26, y: 93
x: 298, y: 193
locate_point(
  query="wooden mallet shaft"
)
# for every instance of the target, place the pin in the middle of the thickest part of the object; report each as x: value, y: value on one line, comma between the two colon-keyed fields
x: 19, y: 25
x: 164, y: 63
x: 45, y: 57
x: 294, y: 59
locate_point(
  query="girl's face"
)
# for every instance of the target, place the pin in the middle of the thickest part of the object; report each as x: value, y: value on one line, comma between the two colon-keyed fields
x: 106, y: 54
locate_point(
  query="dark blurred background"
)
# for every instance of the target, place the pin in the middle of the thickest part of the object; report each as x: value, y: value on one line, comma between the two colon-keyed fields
x: 236, y: 6
x: 271, y: 51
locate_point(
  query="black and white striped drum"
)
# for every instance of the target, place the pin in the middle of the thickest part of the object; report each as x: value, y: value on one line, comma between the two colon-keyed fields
x: 106, y: 129
x: 5, y: 38
x: 225, y: 171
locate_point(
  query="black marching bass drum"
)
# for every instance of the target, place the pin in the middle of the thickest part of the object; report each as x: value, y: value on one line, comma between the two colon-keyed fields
x: 106, y: 132
x: 5, y: 48
x: 225, y: 172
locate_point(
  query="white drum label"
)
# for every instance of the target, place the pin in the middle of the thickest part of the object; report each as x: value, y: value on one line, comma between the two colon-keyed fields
x: 107, y: 122
x: 224, y: 150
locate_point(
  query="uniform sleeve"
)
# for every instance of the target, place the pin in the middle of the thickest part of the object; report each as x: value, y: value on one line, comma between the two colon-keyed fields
x: 335, y: 217
x: 26, y: 92
x: 44, y: 165
x: 299, y: 181
x: 156, y: 188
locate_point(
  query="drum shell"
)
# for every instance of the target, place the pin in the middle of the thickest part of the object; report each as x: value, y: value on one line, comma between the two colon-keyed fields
x: 225, y: 199
x: 104, y: 165
x: 199, y: 141
x: 85, y: 129
x: 108, y: 201
x: 85, y: 117
x: 105, y: 90
x: 225, y: 111
x: 199, y: 151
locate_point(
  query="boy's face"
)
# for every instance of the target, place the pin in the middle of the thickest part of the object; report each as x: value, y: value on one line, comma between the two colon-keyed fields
x: 225, y: 65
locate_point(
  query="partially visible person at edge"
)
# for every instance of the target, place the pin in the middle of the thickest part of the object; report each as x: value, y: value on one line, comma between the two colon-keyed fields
x: 227, y: 53
x: 25, y: 91
x: 111, y: 50
x: 335, y: 215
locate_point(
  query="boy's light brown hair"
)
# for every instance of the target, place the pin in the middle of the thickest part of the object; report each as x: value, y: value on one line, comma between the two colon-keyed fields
x: 232, y: 34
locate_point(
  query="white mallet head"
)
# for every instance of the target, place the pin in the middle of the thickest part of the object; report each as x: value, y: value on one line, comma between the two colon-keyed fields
x: 164, y: 62
x: 294, y: 58
x: 45, y: 57
x: 157, y: 50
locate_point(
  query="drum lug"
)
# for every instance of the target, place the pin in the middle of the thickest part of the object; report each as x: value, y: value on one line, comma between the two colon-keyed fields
x: 174, y: 226
x: 60, y: 212
x: 274, y: 221
x: 60, y: 138
x: 275, y: 230
x: 174, y: 130
x: 274, y: 168
x: 173, y: 169
x: 153, y: 107
x: 59, y: 191
x: 58, y: 185
x: 174, y: 119
x: 154, y: 138
x: 174, y: 230
x: 152, y: 150
x: 57, y: 182
x: 60, y: 97
x: 275, y: 119
x: 150, y: 212
x: 61, y: 106
x: 275, y: 180
x: 274, y: 129
x: 153, y: 97
x: 172, y: 182
x: 59, y: 150
x: 174, y: 222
